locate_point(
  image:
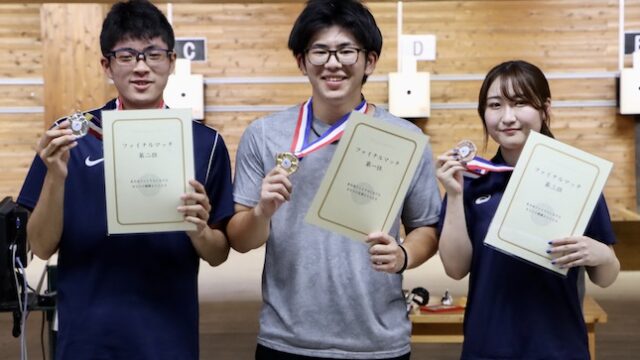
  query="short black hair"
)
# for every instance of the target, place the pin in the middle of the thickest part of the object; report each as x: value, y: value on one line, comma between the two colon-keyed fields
x: 134, y: 19
x: 351, y: 15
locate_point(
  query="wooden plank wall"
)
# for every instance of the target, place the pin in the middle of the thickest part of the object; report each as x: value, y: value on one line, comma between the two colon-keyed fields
x: 249, y: 40
x: 20, y: 58
x: 561, y: 37
x: 71, y: 55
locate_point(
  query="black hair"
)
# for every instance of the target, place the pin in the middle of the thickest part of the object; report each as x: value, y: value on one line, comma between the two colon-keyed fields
x: 529, y: 85
x: 351, y: 15
x: 136, y: 20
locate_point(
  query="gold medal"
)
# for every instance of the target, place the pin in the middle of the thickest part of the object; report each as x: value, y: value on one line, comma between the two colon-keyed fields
x: 466, y: 150
x: 79, y: 124
x: 287, y: 161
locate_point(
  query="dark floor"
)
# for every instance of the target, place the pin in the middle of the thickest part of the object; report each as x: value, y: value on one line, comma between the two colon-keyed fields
x: 228, y: 332
x: 618, y: 339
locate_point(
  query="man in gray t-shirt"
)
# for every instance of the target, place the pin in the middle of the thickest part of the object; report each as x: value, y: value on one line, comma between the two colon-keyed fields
x: 327, y: 296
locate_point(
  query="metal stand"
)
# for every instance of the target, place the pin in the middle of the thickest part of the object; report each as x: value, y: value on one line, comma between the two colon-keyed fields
x: 37, y: 302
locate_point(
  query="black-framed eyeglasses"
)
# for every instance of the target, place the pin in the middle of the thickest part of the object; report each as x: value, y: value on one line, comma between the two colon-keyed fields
x: 130, y: 57
x: 346, y: 56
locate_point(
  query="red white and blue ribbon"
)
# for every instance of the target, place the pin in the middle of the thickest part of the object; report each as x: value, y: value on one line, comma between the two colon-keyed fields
x: 301, y: 147
x: 95, y: 124
x: 479, y: 166
x: 94, y: 127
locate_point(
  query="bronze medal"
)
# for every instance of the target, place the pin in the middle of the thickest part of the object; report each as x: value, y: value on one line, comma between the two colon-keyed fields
x: 466, y: 150
x: 287, y: 161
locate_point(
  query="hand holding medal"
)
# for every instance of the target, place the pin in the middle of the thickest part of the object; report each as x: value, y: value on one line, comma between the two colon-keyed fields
x: 453, y: 164
x: 466, y: 153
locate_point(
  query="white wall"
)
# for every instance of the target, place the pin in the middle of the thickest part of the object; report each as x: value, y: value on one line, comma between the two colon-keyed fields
x: 239, y: 278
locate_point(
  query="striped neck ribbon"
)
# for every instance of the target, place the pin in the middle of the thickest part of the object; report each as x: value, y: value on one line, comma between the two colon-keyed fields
x: 301, y: 146
x: 479, y: 166
x: 95, y: 124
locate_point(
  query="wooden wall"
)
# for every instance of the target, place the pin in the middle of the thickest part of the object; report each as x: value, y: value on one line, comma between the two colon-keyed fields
x: 20, y: 59
x: 561, y: 37
x: 571, y: 37
x: 71, y: 58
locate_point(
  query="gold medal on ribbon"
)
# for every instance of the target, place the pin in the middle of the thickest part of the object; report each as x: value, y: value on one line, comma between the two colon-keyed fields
x: 466, y: 150
x: 79, y: 124
x: 287, y: 161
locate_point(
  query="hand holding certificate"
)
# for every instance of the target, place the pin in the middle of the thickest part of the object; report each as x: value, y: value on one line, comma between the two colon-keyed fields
x: 148, y: 157
x: 367, y: 179
x: 551, y: 194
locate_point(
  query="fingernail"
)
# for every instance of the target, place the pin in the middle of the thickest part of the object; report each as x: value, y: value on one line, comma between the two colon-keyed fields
x: 553, y: 263
x: 550, y: 243
x: 548, y: 251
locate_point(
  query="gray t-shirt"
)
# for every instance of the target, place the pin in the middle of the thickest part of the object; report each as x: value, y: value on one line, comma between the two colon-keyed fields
x: 321, y: 297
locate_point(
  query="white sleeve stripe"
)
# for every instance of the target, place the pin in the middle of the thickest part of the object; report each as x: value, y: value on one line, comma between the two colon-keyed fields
x: 213, y: 150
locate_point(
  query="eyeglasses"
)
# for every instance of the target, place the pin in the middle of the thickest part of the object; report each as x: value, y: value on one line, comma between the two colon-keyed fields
x: 345, y: 56
x: 130, y: 57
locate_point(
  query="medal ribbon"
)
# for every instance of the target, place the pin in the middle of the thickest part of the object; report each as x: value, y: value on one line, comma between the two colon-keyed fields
x: 300, y: 146
x: 95, y: 127
x: 479, y: 166
x: 119, y: 105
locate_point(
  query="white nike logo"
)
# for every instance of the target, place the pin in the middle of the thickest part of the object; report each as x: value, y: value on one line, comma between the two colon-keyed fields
x: 91, y: 163
x: 483, y: 199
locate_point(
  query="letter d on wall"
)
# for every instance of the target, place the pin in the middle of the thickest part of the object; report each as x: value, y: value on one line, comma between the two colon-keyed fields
x: 419, y: 47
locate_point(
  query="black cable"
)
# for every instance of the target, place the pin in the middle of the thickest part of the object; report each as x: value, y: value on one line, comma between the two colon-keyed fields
x: 17, y: 318
x: 44, y: 357
x: 314, y: 130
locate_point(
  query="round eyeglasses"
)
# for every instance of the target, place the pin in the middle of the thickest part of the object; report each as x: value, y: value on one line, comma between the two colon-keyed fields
x: 129, y: 57
x: 345, y: 55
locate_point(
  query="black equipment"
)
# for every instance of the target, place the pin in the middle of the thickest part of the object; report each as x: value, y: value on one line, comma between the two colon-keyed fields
x: 13, y: 245
x: 418, y: 296
x: 14, y: 255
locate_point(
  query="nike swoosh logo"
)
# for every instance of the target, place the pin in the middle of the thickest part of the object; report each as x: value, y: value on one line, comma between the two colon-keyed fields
x: 91, y: 163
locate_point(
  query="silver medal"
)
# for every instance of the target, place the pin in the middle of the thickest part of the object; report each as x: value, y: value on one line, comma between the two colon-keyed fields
x: 79, y: 124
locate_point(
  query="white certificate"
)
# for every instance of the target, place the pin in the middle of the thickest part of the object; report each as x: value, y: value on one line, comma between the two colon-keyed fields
x: 148, y: 162
x: 367, y: 179
x: 551, y: 194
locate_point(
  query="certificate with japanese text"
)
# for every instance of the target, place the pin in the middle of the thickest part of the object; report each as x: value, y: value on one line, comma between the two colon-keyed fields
x: 368, y: 178
x: 148, y: 162
x: 551, y: 194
